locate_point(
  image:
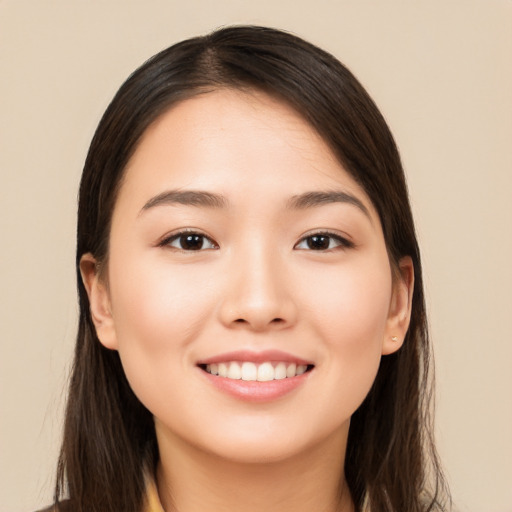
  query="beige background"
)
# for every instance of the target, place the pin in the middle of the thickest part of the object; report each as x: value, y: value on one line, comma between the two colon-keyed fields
x: 440, y: 70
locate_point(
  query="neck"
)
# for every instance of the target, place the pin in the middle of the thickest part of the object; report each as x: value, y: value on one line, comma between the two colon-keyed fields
x: 190, y: 480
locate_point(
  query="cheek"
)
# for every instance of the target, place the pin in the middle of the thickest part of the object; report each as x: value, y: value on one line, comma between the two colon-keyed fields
x: 352, y: 304
x: 158, y: 313
x: 152, y: 299
x: 351, y: 311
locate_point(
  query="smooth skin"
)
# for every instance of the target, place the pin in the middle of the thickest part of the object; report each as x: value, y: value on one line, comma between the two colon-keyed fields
x: 252, y: 277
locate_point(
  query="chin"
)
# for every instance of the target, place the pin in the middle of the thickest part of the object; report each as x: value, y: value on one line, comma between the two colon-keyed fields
x: 270, y: 444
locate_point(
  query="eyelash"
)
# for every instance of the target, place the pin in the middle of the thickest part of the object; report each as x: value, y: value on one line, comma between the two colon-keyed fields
x: 166, y: 242
x: 341, y: 242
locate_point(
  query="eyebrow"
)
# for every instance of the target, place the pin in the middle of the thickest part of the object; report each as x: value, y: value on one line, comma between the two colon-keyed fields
x: 210, y: 200
x: 188, y: 198
x: 319, y: 198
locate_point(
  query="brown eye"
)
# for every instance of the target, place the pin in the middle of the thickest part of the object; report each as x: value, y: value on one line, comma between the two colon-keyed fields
x: 323, y: 242
x: 189, y: 241
x: 318, y: 242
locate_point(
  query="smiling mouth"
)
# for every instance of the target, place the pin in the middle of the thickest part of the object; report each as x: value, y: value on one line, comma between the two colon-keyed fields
x: 256, y: 372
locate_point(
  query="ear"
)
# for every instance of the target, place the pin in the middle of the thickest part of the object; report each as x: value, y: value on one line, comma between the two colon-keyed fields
x: 99, y: 301
x: 400, y: 307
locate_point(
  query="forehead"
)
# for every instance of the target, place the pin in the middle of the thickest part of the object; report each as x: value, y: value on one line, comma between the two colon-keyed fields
x: 234, y: 142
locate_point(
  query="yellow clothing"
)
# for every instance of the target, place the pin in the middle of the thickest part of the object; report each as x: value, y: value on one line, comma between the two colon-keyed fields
x: 152, y: 498
x: 154, y: 505
x: 152, y: 501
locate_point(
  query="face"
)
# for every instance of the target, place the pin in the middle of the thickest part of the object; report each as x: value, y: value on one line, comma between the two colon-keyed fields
x: 248, y: 289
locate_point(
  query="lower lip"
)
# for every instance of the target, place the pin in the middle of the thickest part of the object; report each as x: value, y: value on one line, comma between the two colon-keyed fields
x: 255, y: 391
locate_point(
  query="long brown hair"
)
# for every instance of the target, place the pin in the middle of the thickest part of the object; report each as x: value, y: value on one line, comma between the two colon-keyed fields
x: 109, y: 439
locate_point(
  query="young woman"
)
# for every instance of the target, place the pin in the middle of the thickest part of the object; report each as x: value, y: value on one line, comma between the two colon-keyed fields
x: 252, y: 327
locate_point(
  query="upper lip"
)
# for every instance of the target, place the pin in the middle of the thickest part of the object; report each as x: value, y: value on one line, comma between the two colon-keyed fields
x: 255, y: 357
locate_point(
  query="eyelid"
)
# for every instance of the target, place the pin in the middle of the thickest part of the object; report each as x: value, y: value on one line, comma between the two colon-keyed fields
x: 344, y: 241
x: 170, y: 237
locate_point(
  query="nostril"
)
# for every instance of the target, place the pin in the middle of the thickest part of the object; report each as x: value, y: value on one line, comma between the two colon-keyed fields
x: 259, y: 324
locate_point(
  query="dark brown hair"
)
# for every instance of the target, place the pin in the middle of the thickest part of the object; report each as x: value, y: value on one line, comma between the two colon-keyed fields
x: 109, y: 439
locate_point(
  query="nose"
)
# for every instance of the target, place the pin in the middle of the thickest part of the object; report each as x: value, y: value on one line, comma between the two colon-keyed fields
x: 259, y: 293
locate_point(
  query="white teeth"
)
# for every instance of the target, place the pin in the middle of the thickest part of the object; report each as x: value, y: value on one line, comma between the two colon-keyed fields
x: 249, y: 371
x: 280, y: 371
x: 265, y: 372
x: 301, y: 369
x: 290, y: 370
x: 234, y: 371
x: 223, y: 370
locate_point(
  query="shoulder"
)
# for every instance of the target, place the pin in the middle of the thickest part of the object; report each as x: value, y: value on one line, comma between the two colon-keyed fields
x: 63, y: 506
